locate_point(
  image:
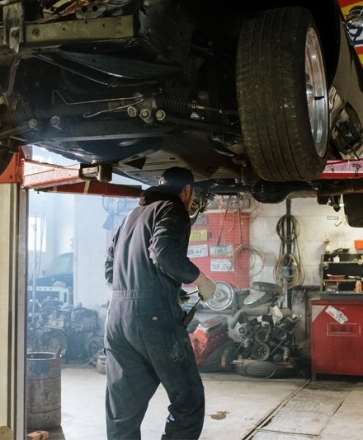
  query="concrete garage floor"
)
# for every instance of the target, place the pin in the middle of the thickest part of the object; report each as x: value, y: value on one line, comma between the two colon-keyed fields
x: 237, y: 408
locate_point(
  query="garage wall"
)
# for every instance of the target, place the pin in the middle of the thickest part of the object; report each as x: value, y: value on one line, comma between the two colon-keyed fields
x: 317, y: 223
x: 219, y: 246
x: 90, y: 246
x: 84, y: 223
x: 56, y: 212
x: 96, y: 221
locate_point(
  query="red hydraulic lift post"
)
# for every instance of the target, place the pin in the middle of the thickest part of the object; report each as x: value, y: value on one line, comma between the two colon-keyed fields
x: 13, y: 172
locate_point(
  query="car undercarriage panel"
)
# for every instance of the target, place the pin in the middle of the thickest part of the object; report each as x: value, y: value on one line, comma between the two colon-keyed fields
x: 142, y: 86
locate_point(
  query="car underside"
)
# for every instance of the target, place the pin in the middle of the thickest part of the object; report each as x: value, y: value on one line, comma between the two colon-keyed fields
x: 251, y: 98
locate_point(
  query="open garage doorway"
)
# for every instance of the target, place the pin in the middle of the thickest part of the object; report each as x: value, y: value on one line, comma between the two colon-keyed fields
x: 67, y: 295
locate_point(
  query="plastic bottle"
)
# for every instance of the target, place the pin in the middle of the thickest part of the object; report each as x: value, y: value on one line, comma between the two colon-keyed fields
x: 358, y: 286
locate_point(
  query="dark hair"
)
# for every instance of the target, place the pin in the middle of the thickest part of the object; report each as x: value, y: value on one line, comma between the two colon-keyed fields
x: 176, y: 178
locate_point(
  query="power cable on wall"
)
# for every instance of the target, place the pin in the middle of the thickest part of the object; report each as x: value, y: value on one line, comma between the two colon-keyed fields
x: 244, y: 203
x: 288, y: 271
x: 244, y: 252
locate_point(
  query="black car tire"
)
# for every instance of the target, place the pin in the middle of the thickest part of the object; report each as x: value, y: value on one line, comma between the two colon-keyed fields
x: 265, y: 369
x: 353, y: 209
x: 219, y: 360
x: 93, y: 348
x: 285, y: 137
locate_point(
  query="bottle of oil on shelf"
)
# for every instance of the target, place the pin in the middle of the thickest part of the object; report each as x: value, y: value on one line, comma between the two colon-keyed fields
x: 358, y: 286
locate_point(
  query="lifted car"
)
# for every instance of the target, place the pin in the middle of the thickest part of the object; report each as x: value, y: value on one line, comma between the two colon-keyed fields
x: 253, y: 97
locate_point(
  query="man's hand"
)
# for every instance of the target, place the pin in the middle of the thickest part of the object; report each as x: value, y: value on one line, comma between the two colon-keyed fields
x: 183, y: 297
x: 206, y: 287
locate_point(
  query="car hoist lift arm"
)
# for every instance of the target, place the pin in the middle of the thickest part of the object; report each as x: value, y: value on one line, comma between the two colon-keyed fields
x: 72, y: 179
x: 95, y: 179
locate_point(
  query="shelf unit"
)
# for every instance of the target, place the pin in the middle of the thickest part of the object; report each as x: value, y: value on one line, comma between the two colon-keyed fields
x: 349, y: 265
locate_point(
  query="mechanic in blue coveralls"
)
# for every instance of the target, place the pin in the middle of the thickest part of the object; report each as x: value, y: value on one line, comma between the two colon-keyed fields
x: 146, y: 342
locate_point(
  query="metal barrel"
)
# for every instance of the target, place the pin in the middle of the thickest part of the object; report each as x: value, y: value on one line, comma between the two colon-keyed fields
x: 43, y: 390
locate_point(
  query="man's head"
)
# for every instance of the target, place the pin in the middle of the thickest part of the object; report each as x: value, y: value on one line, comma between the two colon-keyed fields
x: 181, y: 182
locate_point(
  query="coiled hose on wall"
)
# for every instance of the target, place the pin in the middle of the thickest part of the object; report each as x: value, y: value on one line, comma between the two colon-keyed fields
x: 288, y: 270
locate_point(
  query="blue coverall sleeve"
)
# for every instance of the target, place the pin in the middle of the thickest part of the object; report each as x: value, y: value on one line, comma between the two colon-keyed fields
x: 110, y: 258
x: 169, y: 245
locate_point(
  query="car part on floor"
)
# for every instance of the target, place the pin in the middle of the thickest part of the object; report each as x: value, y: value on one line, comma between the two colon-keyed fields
x: 70, y: 331
x: 261, y: 347
x: 265, y: 370
x: 101, y: 364
x: 263, y: 332
x: 210, y: 342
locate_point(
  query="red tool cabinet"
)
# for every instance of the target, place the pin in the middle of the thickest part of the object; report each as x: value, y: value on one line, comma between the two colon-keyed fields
x: 336, y: 335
